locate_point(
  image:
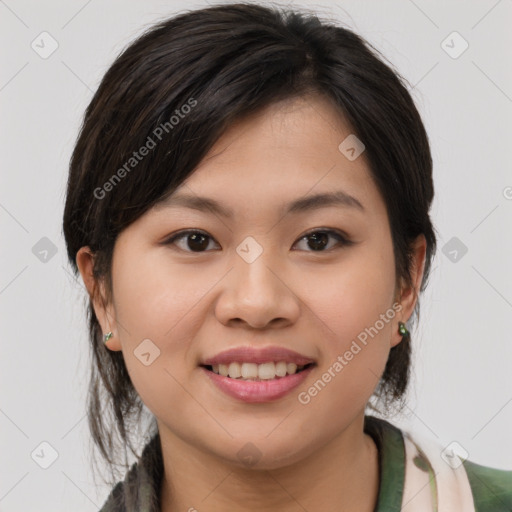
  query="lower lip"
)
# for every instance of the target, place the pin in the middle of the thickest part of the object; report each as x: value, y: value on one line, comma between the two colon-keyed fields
x: 258, y: 391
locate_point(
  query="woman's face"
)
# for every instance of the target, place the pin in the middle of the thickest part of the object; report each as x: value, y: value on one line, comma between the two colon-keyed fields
x: 261, y: 278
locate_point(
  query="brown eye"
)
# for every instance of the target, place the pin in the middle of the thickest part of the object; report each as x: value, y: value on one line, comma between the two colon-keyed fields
x: 318, y: 240
x: 198, y: 241
x: 194, y: 241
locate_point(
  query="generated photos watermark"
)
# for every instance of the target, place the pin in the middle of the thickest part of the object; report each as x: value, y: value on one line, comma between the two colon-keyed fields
x: 343, y: 360
x: 137, y: 156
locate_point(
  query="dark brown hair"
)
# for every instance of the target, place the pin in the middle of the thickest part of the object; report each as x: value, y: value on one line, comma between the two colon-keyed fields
x: 187, y: 79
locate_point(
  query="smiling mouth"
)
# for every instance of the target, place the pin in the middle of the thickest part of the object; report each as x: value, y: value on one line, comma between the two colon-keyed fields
x: 255, y: 372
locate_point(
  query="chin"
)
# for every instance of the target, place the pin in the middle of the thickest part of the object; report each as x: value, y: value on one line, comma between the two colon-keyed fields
x: 264, y: 454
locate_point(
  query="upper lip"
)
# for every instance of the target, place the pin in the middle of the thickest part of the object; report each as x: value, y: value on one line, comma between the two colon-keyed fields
x: 258, y: 355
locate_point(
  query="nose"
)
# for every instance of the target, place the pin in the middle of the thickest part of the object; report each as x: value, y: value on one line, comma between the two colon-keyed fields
x: 257, y: 295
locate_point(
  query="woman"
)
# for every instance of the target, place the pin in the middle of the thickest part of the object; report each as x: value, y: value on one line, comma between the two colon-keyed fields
x: 248, y: 206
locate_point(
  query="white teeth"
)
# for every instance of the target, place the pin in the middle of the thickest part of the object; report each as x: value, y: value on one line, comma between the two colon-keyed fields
x: 291, y: 368
x: 281, y: 369
x: 234, y: 370
x: 249, y: 370
x: 252, y: 371
x: 266, y: 371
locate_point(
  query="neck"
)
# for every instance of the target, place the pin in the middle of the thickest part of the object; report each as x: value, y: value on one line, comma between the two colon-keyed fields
x: 343, y: 475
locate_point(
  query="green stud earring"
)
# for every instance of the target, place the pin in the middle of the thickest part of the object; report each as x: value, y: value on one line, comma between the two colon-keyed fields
x: 107, y: 336
x: 402, y: 329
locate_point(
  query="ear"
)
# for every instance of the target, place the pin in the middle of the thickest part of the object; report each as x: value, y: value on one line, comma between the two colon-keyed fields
x: 407, y: 295
x: 105, y: 313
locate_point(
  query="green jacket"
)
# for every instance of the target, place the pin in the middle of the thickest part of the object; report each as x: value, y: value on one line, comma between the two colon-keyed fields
x: 489, y: 489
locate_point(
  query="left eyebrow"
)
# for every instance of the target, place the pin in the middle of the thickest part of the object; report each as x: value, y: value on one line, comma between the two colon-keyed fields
x: 312, y: 202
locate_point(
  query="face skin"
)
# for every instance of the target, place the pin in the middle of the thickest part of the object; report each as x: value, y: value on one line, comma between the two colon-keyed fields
x: 316, y: 301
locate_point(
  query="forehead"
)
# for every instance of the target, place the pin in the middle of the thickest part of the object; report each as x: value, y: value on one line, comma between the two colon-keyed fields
x: 287, y: 151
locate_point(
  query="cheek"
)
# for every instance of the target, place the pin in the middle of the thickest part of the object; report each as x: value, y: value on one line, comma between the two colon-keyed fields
x: 354, y: 308
x: 352, y: 295
x: 354, y: 354
x: 156, y: 298
x: 156, y: 308
x: 165, y: 303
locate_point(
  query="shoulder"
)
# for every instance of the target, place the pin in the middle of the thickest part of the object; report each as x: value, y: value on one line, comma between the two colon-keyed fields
x: 491, y: 487
x: 418, y: 469
x: 115, y: 500
x: 140, y: 489
x: 462, y: 481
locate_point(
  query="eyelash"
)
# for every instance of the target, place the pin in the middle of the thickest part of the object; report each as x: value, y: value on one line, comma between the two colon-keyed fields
x: 342, y: 238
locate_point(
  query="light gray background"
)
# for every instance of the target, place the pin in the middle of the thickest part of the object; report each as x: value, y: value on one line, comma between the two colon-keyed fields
x: 462, y: 389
